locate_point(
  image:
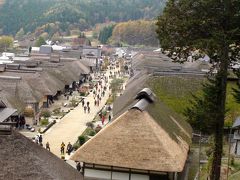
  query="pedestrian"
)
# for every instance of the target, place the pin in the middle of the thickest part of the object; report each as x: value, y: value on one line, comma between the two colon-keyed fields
x: 103, y: 119
x: 48, y: 146
x: 85, y: 109
x: 69, y: 148
x: 83, y: 102
x: 109, y: 118
x: 88, y: 109
x: 40, y: 139
x: 95, y: 102
x: 62, y: 148
x: 37, y: 139
x: 78, y: 166
x: 88, y: 103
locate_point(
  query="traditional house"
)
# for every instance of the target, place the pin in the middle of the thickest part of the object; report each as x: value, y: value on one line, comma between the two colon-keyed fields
x: 145, y: 142
x: 23, y: 159
x: 45, y: 49
x: 36, y: 82
x: 5, y: 112
x: 235, y: 144
x: 90, y: 52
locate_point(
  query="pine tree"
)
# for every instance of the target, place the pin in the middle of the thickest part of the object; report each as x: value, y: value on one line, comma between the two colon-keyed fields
x: 211, y: 26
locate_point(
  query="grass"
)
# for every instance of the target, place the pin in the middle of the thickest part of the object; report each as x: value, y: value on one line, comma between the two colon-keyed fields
x: 175, y: 92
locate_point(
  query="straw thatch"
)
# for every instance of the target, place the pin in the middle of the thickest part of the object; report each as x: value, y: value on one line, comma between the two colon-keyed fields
x: 24, y: 160
x: 163, y: 115
x: 135, y: 140
x: 18, y: 87
x: 153, y: 61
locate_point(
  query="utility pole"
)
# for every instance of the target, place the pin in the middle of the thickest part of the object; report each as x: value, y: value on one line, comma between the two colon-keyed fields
x: 229, y: 149
x: 199, y: 165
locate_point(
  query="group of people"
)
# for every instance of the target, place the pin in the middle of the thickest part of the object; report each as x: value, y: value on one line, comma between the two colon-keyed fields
x: 39, y: 140
x: 68, y: 150
x: 86, y: 107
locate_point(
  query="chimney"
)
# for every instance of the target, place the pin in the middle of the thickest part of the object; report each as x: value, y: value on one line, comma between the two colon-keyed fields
x: 144, y: 97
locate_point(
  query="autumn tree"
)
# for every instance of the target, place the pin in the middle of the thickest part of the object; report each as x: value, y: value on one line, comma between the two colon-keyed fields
x: 210, y: 26
x: 5, y: 42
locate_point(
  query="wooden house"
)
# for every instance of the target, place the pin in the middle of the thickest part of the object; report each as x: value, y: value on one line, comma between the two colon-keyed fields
x: 142, y: 143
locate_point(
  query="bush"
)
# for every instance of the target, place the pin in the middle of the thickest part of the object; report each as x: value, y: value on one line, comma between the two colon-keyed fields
x: 82, y: 94
x: 44, y: 122
x: 45, y: 113
x: 90, y: 125
x: 81, y: 140
x: 74, y: 103
x: 76, y: 146
x: 57, y: 110
x: 92, y: 133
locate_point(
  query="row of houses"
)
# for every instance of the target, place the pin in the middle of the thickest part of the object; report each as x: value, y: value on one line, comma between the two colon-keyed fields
x: 35, y: 82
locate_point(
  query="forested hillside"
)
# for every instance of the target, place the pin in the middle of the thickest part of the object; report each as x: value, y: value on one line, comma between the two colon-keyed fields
x: 30, y: 14
x: 140, y: 32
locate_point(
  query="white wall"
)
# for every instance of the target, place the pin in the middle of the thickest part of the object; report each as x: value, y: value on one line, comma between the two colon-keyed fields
x: 139, y: 177
x: 120, y: 176
x: 97, y: 174
x: 100, y: 174
x: 238, y: 148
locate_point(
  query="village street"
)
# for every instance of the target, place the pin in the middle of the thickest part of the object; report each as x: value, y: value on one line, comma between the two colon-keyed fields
x: 73, y: 124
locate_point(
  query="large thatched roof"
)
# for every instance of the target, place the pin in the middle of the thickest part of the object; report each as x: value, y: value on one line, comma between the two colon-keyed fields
x: 135, y: 140
x: 24, y: 160
x: 155, y: 61
x: 16, y: 86
x: 164, y: 116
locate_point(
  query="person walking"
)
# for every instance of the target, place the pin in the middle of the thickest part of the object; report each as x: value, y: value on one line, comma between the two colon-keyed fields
x: 83, y: 103
x: 78, y: 166
x: 69, y: 148
x: 40, y: 139
x: 109, y: 118
x: 48, y: 146
x: 88, y: 109
x: 62, y: 148
x: 88, y: 103
x: 103, y: 119
x: 85, y: 109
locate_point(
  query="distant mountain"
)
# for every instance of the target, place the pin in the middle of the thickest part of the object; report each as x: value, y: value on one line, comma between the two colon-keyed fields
x: 30, y: 14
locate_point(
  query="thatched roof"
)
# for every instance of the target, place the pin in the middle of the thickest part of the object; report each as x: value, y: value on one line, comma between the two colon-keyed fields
x: 164, y: 116
x: 154, y: 61
x: 12, y: 101
x: 157, y: 129
x: 135, y: 140
x: 24, y: 160
x: 18, y: 87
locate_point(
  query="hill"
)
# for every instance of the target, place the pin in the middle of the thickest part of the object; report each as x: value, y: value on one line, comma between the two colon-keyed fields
x: 83, y: 14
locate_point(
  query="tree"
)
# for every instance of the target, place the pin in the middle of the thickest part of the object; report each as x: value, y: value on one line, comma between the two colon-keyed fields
x: 209, y: 26
x: 5, y: 42
x: 105, y: 34
x: 40, y: 41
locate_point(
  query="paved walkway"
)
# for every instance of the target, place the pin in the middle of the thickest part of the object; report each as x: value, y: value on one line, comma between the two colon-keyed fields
x: 73, y: 124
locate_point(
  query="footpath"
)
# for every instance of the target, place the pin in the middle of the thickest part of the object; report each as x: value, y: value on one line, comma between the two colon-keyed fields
x: 73, y: 124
